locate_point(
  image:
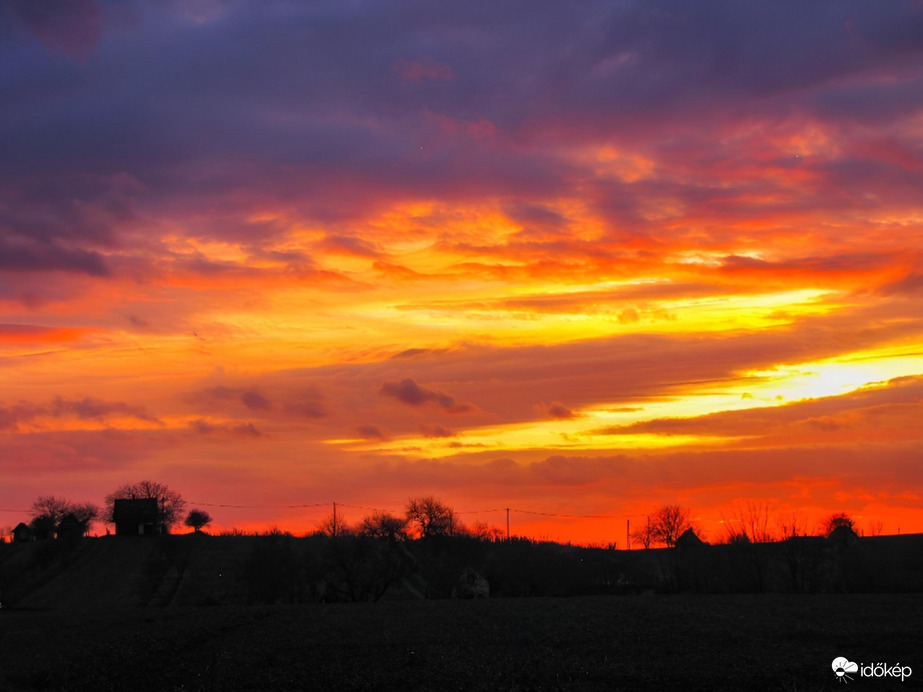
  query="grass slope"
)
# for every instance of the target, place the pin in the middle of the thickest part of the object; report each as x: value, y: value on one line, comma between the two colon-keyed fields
x: 682, y: 642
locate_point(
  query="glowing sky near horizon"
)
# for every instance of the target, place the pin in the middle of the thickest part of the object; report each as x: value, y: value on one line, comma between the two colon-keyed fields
x: 580, y: 258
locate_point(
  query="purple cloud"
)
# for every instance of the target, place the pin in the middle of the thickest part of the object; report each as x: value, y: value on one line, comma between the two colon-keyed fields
x: 30, y: 256
x: 96, y: 409
x: 557, y: 411
x: 306, y: 409
x: 437, y: 431
x: 255, y: 401
x: 203, y: 427
x: 250, y: 398
x: 372, y: 432
x: 87, y: 408
x: 23, y: 412
x: 409, y: 392
x: 68, y: 26
x: 176, y: 114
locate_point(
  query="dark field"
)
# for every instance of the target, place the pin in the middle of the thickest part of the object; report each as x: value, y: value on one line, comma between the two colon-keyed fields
x: 653, y: 642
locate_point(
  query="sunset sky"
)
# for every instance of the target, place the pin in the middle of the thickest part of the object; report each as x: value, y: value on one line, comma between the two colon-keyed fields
x: 579, y: 259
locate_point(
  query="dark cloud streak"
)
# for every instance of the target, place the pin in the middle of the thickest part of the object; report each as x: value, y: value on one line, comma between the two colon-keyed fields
x: 407, y: 391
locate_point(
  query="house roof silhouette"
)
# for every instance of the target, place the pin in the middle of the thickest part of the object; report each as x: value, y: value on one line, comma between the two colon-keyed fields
x: 22, y: 532
x: 136, y: 516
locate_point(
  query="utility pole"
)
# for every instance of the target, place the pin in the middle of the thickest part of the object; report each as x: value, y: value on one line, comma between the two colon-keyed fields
x: 628, y: 533
x: 507, y: 524
x: 334, y: 519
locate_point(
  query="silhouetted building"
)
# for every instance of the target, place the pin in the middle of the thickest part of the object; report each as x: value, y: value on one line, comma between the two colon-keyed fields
x: 23, y: 533
x: 689, y: 539
x: 843, y: 537
x: 136, y: 517
x: 71, y: 527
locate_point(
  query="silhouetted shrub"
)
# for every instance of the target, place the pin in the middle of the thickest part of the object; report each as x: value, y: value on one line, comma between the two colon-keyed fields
x: 274, y: 572
x: 359, y: 568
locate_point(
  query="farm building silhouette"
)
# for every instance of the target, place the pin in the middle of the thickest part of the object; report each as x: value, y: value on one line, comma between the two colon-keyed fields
x: 137, y: 517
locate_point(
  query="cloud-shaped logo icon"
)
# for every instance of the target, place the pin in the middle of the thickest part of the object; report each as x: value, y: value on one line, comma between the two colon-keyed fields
x: 841, y: 666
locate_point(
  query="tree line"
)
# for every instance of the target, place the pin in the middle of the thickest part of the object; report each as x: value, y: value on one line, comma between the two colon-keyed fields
x: 751, y: 522
x: 423, y: 517
x: 53, y: 516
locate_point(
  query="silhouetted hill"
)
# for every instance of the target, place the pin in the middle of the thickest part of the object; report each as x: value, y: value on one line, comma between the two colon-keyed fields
x: 197, y: 569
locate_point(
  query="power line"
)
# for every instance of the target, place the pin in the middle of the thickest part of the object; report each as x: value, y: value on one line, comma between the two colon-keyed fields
x: 570, y: 516
x: 494, y: 510
x: 369, y: 509
x: 341, y: 504
x: 209, y: 504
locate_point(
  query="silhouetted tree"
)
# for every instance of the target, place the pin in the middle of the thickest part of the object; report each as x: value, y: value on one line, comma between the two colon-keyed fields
x: 275, y: 571
x: 430, y: 516
x: 170, y: 504
x: 792, y: 525
x: 383, y: 525
x: 748, y: 523
x: 335, y: 525
x: 197, y: 519
x: 836, y: 520
x: 359, y: 568
x: 85, y: 512
x: 43, y: 527
x: 485, y: 532
x: 49, y: 511
x: 644, y: 534
x: 669, y: 523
